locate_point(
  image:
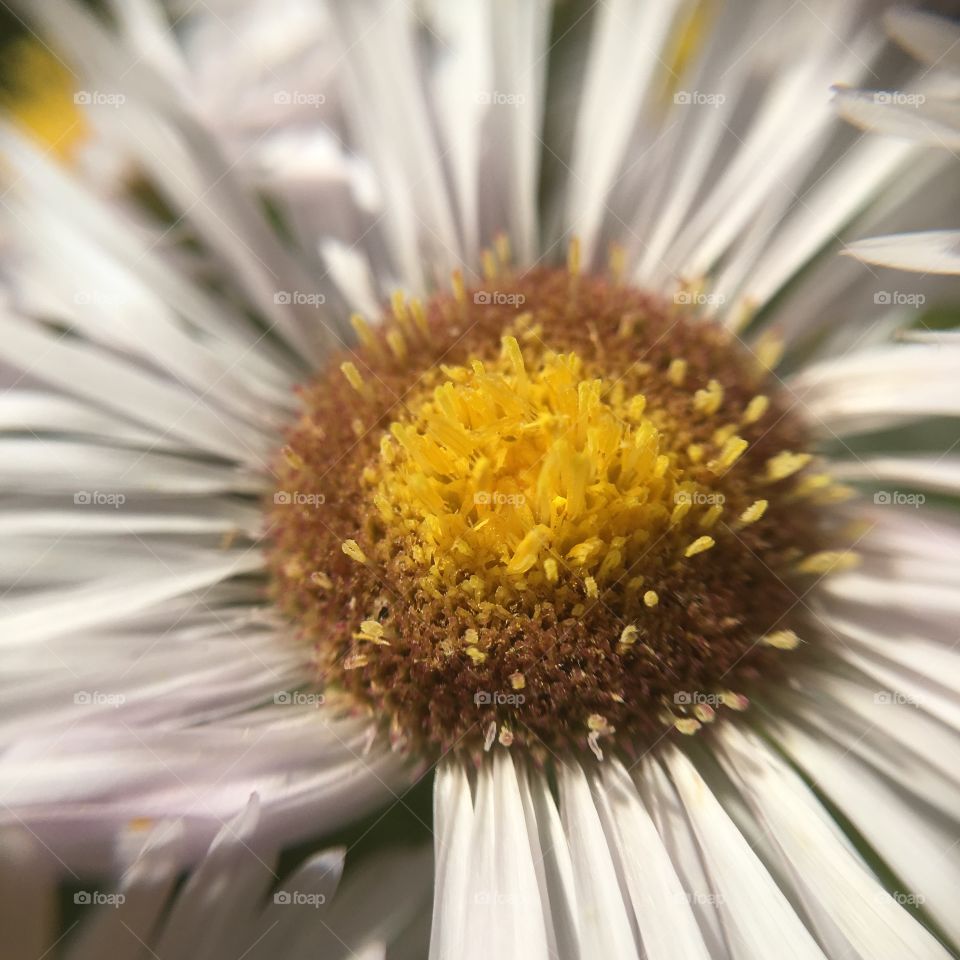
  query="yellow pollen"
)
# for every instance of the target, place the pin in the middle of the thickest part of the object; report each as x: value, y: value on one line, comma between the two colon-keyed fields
x: 617, y: 262
x: 292, y: 457
x: 687, y: 725
x: 698, y: 546
x: 509, y: 466
x: 573, y: 256
x: 731, y: 452
x: 709, y: 400
x: 321, y: 580
x: 650, y: 598
x: 755, y: 511
x: 768, y: 351
x: 677, y: 371
x: 829, y: 561
x: 396, y: 343
x: 362, y: 330
x: 518, y: 681
x: 629, y: 635
x: 756, y: 408
x: 352, y: 549
x: 372, y: 630
x: 352, y: 374
x: 501, y: 243
x: 489, y: 265
x: 785, y: 464
x: 781, y: 639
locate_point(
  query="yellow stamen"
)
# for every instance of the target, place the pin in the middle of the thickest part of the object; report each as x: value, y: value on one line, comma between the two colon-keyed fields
x: 699, y: 546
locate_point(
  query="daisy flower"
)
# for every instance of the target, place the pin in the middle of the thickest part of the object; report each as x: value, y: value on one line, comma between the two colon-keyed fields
x: 467, y: 398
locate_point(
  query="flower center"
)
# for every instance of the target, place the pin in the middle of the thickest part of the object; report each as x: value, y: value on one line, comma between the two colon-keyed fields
x: 563, y: 514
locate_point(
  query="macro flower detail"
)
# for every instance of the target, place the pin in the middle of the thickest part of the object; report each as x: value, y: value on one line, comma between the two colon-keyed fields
x: 556, y: 489
x: 457, y: 502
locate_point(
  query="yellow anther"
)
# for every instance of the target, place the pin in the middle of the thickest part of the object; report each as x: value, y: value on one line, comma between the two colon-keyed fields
x: 756, y: 408
x: 294, y: 460
x: 573, y: 256
x: 352, y: 549
x: 650, y: 598
x: 350, y: 371
x: 785, y: 464
x: 828, y: 561
x: 754, y: 512
x: 629, y: 635
x: 731, y: 452
x: 398, y: 346
x: 677, y: 371
x: 699, y: 546
x: 708, y: 401
x: 781, y: 639
x: 518, y: 681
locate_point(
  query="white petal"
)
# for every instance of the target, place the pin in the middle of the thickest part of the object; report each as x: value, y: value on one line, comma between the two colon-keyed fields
x: 820, y: 857
x: 758, y: 916
x: 605, y: 927
x: 933, y: 251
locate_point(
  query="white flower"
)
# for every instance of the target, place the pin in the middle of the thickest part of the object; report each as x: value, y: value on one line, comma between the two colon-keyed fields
x: 239, y: 619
